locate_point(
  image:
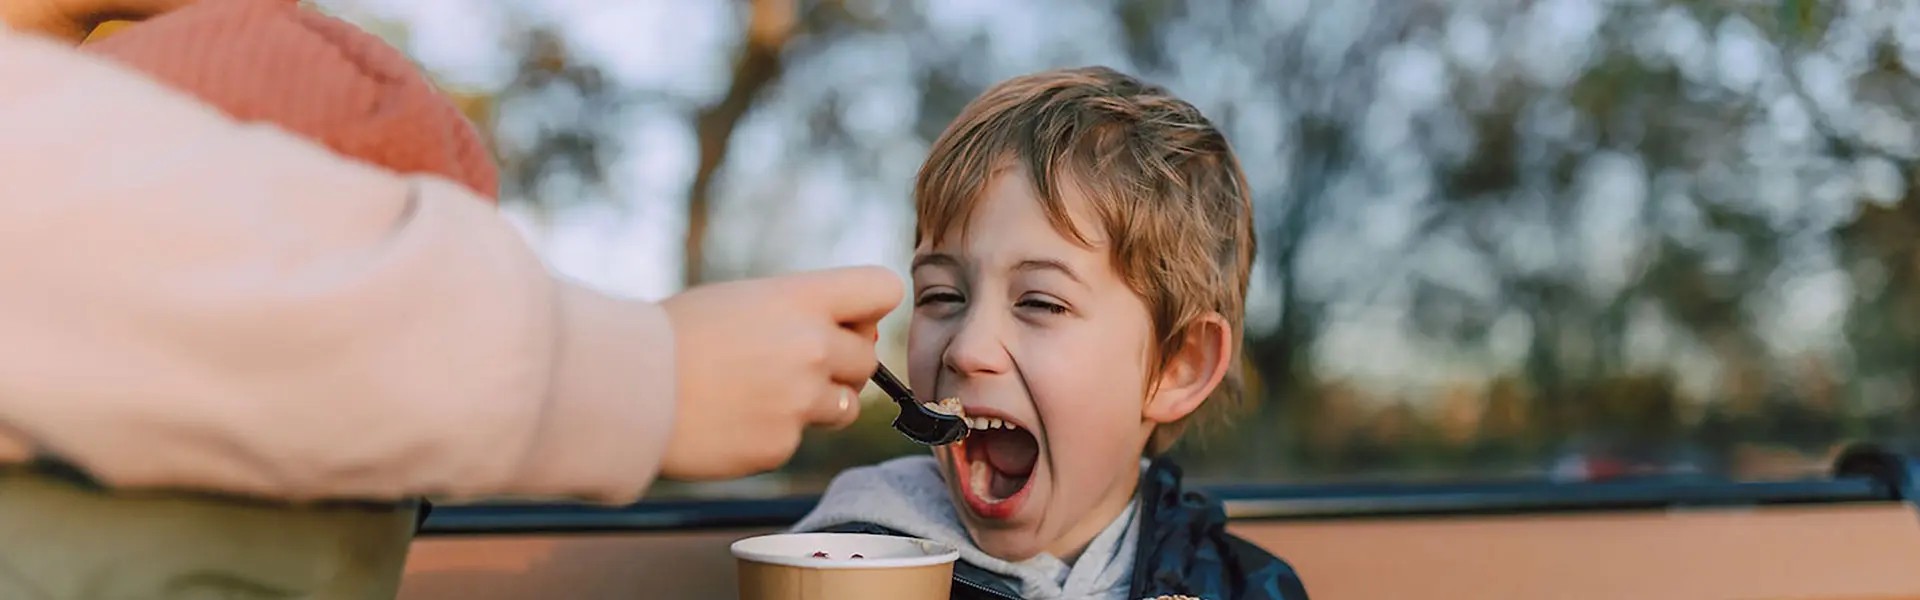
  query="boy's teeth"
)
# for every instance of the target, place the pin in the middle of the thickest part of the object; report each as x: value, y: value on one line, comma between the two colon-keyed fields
x: 989, y: 423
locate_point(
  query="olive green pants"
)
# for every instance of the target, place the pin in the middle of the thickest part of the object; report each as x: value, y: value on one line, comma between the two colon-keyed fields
x: 61, y: 540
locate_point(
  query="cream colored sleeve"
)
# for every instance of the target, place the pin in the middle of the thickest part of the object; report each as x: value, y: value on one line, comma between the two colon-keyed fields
x: 187, y: 302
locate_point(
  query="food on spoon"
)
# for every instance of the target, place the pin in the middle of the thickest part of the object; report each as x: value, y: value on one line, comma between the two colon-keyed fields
x: 947, y: 406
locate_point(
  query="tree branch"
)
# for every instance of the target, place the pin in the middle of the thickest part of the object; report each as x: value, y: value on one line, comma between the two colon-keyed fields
x: 771, y: 25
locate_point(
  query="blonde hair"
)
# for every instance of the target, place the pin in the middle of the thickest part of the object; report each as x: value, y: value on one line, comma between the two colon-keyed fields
x: 1161, y: 178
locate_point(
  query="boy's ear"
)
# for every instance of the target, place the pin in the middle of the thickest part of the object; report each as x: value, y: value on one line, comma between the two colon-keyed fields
x: 1191, y: 374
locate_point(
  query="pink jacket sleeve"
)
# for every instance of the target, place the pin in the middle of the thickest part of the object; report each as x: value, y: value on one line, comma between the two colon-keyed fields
x: 188, y: 302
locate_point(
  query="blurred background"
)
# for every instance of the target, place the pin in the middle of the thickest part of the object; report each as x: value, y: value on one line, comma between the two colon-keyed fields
x: 1567, y: 239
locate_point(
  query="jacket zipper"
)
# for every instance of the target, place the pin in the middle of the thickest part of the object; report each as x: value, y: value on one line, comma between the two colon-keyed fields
x: 984, y: 589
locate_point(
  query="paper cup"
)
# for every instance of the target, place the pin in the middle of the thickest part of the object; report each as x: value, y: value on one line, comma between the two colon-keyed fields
x: 784, y: 567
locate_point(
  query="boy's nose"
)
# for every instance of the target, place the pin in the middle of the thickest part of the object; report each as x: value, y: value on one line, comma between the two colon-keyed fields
x: 977, y: 349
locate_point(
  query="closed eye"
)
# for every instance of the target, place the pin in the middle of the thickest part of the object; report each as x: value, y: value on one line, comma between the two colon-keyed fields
x: 1042, y: 305
x: 938, y: 298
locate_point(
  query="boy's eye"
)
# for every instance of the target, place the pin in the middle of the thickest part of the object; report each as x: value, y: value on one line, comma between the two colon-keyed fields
x: 938, y: 297
x: 1042, y: 305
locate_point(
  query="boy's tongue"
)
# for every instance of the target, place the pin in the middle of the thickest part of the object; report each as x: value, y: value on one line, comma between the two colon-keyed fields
x: 1011, y: 453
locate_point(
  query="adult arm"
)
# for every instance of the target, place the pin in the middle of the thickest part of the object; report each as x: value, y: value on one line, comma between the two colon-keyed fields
x: 194, y: 303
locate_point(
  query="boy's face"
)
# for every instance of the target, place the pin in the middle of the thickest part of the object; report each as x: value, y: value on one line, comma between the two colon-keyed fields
x: 1027, y: 327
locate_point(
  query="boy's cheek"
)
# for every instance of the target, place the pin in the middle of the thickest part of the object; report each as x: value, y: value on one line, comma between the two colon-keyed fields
x: 923, y: 357
x: 1093, y: 433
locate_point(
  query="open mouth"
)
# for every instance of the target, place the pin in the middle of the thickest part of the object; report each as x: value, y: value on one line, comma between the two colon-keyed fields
x: 995, y: 464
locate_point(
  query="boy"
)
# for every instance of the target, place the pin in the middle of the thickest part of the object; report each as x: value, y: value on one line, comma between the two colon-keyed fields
x: 1080, y: 267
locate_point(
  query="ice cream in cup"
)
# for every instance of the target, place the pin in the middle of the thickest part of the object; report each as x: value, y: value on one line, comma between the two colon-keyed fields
x: 843, y: 566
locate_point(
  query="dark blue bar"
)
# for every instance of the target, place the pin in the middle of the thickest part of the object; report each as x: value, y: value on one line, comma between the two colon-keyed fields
x: 1243, y: 502
x: 1423, y: 500
x: 642, y: 517
x: 1863, y: 473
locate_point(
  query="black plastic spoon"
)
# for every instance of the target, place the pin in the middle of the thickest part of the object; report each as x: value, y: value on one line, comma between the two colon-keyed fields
x: 919, y: 423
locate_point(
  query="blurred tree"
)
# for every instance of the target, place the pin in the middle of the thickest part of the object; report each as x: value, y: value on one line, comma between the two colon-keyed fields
x: 770, y: 25
x: 1488, y: 230
x: 1610, y: 201
x: 555, y: 148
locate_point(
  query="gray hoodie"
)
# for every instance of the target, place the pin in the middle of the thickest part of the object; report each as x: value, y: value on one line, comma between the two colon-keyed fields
x: 909, y: 495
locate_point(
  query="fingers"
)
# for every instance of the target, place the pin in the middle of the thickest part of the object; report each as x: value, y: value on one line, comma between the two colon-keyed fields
x: 856, y: 296
x: 851, y: 361
x: 838, y: 408
x: 851, y: 358
x: 869, y: 330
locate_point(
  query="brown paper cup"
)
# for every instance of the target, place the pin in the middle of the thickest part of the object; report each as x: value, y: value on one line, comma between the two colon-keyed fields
x: 784, y: 567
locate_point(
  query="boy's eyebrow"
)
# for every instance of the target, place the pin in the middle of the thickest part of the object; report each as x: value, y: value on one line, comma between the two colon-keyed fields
x: 1043, y: 264
x: 1032, y: 264
x: 935, y: 260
